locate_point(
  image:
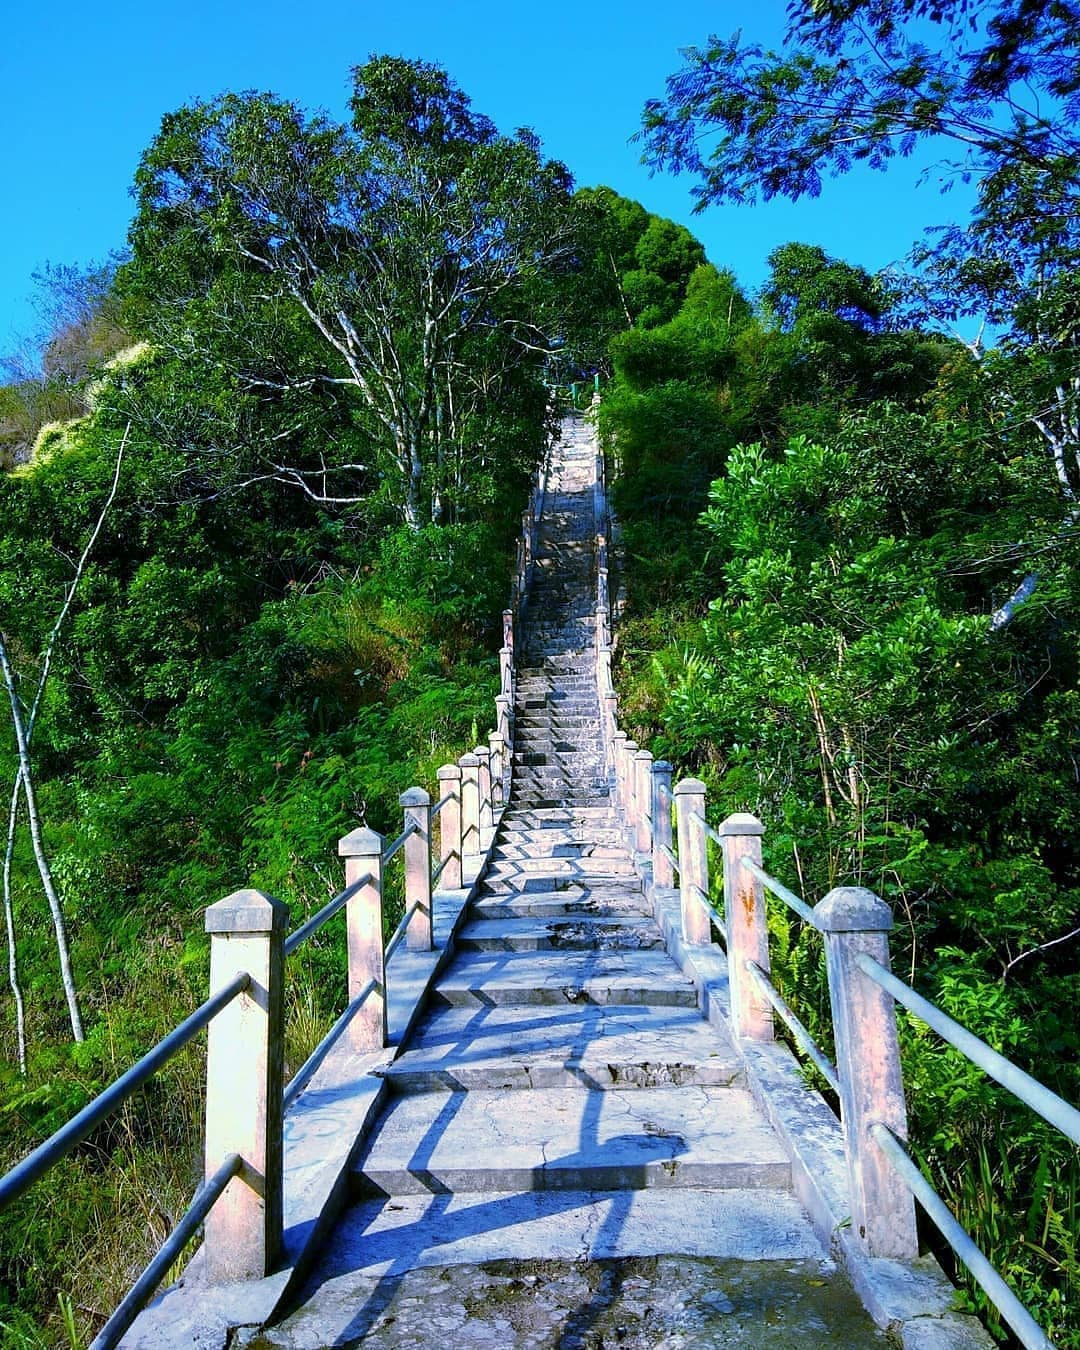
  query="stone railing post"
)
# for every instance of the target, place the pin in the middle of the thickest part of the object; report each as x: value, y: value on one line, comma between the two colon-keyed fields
x: 693, y: 859
x: 362, y: 850
x: 502, y: 717
x: 499, y: 764
x: 618, y: 740
x: 487, y: 818
x: 450, y: 827
x: 643, y: 762
x: 747, y: 927
x: 629, y: 787
x: 506, y: 672
x: 854, y: 921
x: 508, y: 630
x: 417, y: 807
x: 662, y: 870
x: 244, y: 1068
x: 470, y: 818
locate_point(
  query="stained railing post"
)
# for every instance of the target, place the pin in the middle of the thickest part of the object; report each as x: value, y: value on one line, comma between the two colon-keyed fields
x: 244, y: 1067
x: 506, y: 672
x: 450, y: 827
x: 503, y: 705
x: 470, y: 818
x: 855, y: 921
x: 663, y: 872
x: 693, y: 860
x: 416, y: 804
x: 747, y: 927
x: 629, y: 787
x: 618, y: 740
x: 508, y: 630
x: 362, y: 850
x: 643, y: 762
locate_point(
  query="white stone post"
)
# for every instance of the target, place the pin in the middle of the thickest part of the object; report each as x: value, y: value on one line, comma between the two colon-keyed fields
x: 502, y: 717
x: 506, y: 672
x: 618, y: 740
x: 747, y: 927
x: 487, y: 818
x: 470, y: 818
x: 362, y: 850
x: 693, y: 860
x: 629, y: 788
x: 499, y: 764
x: 855, y: 921
x: 450, y: 827
x: 244, y: 1068
x: 663, y: 872
x: 417, y: 807
x: 643, y: 762
x: 508, y: 630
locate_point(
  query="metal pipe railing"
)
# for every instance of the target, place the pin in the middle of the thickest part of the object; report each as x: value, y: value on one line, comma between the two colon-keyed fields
x: 59, y: 1145
x: 140, y: 1292
x: 445, y: 801
x: 311, y: 926
x: 399, y: 842
x: 1053, y: 1109
x: 797, y: 1028
x: 777, y: 888
x: 1030, y: 1335
x: 399, y: 932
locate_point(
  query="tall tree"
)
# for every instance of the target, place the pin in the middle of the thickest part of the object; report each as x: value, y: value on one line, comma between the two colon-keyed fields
x: 396, y: 261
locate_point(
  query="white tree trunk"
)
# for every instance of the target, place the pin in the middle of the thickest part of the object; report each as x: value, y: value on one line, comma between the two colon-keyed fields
x: 9, y: 922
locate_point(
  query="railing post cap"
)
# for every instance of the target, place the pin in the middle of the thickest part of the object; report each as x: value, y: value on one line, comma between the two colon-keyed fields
x: 632, y: 745
x: 482, y: 751
x: 506, y: 651
x: 853, y: 909
x: 496, y: 738
x: 469, y: 761
x: 617, y: 735
x: 662, y: 766
x: 247, y: 911
x: 741, y: 822
x: 503, y: 698
x: 361, y: 843
x: 448, y: 771
x: 415, y: 796
x: 507, y: 613
x: 644, y: 755
x: 690, y: 787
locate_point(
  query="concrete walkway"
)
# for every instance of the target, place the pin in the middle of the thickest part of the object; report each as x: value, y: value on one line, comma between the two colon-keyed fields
x: 570, y: 1155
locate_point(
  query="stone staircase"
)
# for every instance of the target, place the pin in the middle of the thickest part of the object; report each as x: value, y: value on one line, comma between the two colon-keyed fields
x: 564, y: 1119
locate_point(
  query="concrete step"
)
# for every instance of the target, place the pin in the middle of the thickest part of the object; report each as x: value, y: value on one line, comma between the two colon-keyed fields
x: 617, y: 866
x: 604, y: 902
x: 521, y: 979
x: 560, y: 1047
x: 554, y: 817
x: 559, y: 848
x: 571, y: 1140
x: 583, y: 932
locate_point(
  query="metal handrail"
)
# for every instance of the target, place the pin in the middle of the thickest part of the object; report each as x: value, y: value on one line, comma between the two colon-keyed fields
x: 311, y: 926
x: 140, y: 1292
x: 450, y: 797
x: 399, y: 842
x: 300, y: 1078
x: 670, y: 854
x: 399, y: 931
x: 801, y: 908
x: 717, y: 917
x: 23, y: 1175
x: 1053, y: 1109
x: 1027, y: 1330
x: 797, y: 1029
x: 712, y: 833
x: 438, y: 871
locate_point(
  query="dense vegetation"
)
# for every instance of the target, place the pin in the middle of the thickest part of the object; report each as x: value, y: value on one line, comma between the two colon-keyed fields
x: 255, y: 536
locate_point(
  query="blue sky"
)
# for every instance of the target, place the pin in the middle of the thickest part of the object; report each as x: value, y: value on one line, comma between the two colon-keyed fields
x: 83, y: 89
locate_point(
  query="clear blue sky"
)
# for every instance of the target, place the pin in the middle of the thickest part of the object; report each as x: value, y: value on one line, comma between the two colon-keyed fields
x: 83, y: 89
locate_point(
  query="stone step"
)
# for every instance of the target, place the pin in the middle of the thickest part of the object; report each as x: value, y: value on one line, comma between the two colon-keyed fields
x: 582, y: 932
x: 508, y: 849
x: 560, y: 867
x: 521, y: 979
x: 559, y: 835
x: 551, y: 1047
x: 552, y: 817
x: 602, y: 902
x: 569, y: 1140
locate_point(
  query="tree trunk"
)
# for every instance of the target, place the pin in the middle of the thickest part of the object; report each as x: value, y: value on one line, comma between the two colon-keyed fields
x: 9, y: 921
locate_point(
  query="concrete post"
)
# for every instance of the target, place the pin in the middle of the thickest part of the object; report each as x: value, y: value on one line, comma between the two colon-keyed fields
x: 618, y: 740
x: 470, y: 818
x: 450, y: 827
x: 487, y: 818
x: 747, y: 927
x: 506, y: 672
x: 244, y: 1067
x: 629, y: 788
x: 362, y: 851
x: 662, y: 870
x: 693, y: 859
x: 502, y: 717
x: 854, y: 921
x: 499, y: 765
x: 508, y: 629
x: 417, y: 807
x: 609, y: 708
x: 643, y: 762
